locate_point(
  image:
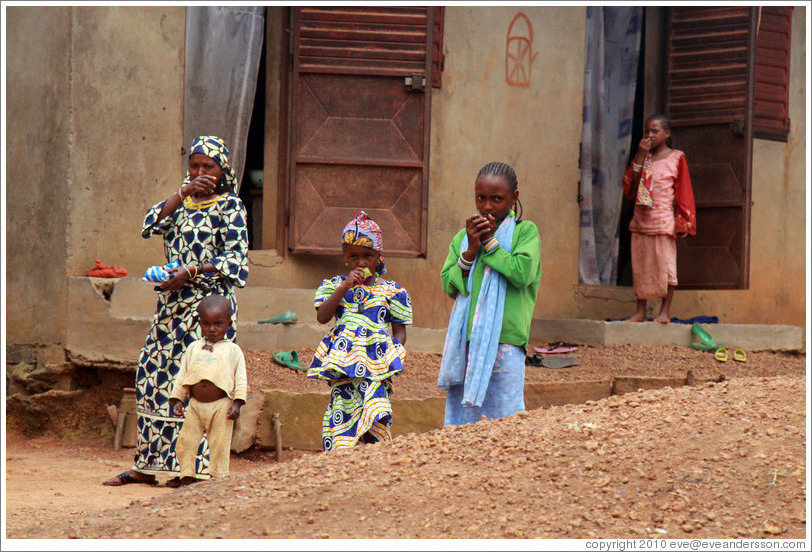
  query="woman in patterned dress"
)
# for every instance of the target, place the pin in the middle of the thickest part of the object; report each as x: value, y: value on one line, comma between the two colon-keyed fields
x: 203, y: 226
x: 359, y: 356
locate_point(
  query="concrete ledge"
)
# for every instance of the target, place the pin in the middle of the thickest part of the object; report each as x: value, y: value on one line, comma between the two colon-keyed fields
x: 109, y: 322
x: 545, y: 395
x: 752, y: 337
x: 302, y: 413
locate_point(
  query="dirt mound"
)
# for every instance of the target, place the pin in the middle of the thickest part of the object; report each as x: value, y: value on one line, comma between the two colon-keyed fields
x: 722, y: 460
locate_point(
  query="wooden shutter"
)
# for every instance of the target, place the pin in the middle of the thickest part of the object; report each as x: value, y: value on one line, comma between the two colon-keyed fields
x: 771, y: 111
x: 709, y: 98
x: 362, y: 80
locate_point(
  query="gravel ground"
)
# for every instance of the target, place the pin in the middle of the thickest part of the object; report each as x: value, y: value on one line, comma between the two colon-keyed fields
x: 716, y: 460
x: 419, y: 377
x: 720, y: 460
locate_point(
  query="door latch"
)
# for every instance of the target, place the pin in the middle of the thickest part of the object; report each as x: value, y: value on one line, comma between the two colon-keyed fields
x: 737, y: 127
x: 416, y: 82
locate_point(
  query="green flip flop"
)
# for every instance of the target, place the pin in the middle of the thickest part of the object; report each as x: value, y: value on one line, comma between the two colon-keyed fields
x: 706, y: 342
x: 289, y: 359
x: 706, y: 347
x: 287, y: 317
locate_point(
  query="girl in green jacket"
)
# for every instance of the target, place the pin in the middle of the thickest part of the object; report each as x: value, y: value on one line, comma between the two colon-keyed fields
x: 492, y: 272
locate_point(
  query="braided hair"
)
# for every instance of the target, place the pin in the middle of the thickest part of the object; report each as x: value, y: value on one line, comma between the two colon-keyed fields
x: 497, y: 168
x: 663, y: 118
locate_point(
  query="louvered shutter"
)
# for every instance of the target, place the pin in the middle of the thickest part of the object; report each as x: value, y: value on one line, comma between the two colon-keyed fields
x: 771, y: 111
x: 709, y: 97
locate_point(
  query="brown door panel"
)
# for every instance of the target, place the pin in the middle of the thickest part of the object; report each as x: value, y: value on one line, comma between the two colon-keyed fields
x: 709, y: 98
x: 360, y: 126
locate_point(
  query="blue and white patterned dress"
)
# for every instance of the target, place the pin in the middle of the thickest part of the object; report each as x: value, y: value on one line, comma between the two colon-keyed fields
x: 212, y: 231
x: 358, y: 357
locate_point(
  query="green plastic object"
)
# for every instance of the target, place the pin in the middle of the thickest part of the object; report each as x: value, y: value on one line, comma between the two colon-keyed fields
x: 706, y: 342
x: 706, y: 347
x: 289, y: 359
x: 367, y: 272
x: 287, y: 317
x: 701, y: 333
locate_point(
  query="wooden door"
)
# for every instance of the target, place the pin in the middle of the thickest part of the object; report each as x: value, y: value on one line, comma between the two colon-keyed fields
x: 361, y: 93
x: 709, y: 98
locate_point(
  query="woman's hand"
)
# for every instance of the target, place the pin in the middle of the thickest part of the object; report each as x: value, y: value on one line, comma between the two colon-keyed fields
x: 202, y: 186
x: 179, y: 277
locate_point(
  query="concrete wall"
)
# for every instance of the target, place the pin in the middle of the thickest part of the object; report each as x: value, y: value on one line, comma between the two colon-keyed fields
x: 38, y: 181
x: 127, y: 110
x: 94, y: 138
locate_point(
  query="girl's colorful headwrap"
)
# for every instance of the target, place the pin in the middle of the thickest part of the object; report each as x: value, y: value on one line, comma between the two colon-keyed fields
x: 365, y: 232
x: 214, y: 147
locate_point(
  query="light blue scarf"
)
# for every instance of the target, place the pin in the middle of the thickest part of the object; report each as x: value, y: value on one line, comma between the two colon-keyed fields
x: 474, y: 372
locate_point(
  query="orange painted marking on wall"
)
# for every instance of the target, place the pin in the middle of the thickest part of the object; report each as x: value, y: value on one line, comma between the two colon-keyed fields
x: 519, y: 54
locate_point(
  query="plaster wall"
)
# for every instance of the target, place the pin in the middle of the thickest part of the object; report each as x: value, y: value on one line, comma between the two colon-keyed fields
x: 38, y: 180
x: 128, y: 119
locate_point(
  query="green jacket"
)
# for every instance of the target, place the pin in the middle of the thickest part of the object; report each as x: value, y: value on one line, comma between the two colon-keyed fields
x: 522, y: 270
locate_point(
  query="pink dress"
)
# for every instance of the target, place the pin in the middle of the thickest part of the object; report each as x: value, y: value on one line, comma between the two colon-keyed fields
x: 654, y: 229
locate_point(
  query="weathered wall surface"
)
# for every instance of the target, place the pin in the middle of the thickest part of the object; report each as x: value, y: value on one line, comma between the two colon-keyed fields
x: 38, y: 176
x: 127, y: 79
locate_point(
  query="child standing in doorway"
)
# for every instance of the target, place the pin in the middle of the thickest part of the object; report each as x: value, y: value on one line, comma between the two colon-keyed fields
x: 658, y: 182
x: 212, y: 374
x: 359, y: 356
x: 492, y: 272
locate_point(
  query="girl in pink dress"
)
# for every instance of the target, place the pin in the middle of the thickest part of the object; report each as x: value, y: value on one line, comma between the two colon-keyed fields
x: 658, y: 182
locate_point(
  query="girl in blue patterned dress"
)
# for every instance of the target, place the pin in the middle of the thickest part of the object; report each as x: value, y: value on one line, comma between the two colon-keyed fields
x: 359, y: 356
x: 203, y: 226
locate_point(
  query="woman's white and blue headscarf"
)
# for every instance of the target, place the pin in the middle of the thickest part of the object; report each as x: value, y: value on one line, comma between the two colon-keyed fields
x: 214, y: 147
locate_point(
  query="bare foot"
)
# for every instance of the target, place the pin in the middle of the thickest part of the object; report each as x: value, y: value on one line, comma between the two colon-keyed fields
x: 662, y: 319
x: 636, y: 318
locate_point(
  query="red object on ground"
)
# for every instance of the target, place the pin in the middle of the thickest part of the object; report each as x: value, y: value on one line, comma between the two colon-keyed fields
x: 104, y: 271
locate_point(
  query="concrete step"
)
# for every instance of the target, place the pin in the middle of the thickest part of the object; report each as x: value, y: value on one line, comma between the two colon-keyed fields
x: 751, y: 337
x: 108, y: 321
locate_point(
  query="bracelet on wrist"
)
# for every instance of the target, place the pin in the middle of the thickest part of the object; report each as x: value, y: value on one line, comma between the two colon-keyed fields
x: 464, y: 264
x: 187, y: 272
x: 491, y: 244
x: 196, y: 269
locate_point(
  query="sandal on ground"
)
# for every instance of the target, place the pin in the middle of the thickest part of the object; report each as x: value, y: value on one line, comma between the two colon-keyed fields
x: 740, y: 355
x: 720, y: 354
x: 124, y: 478
x: 176, y: 482
x: 287, y: 317
x: 706, y: 347
x: 534, y: 360
x: 289, y: 359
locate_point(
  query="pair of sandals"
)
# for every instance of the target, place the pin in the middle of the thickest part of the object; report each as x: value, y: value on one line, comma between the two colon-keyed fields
x: 124, y: 478
x: 707, y: 344
x: 721, y: 355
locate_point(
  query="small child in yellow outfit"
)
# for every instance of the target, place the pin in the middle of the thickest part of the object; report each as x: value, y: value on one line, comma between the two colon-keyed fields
x: 212, y: 374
